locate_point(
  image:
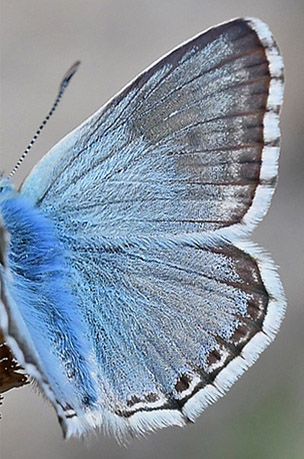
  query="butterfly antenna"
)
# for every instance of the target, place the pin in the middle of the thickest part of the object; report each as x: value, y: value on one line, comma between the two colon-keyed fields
x: 63, y: 85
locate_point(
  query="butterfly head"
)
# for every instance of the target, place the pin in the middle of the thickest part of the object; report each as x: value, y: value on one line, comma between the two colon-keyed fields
x: 7, y: 189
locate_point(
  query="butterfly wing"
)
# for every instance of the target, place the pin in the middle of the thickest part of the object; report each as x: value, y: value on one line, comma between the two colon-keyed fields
x: 190, y: 146
x: 148, y: 198
x: 175, y: 326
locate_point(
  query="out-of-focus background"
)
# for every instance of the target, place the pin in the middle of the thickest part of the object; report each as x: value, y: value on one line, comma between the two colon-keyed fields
x: 262, y: 415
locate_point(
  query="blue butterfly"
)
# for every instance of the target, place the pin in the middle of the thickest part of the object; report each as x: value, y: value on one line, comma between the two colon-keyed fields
x: 129, y: 289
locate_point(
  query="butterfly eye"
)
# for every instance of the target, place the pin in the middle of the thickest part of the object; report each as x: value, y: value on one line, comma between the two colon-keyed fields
x: 4, y: 185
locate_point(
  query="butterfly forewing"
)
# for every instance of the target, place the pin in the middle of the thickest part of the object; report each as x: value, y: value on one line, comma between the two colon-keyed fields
x: 179, y: 151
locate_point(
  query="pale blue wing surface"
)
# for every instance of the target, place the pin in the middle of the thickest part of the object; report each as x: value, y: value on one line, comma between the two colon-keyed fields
x: 190, y: 146
x: 160, y: 305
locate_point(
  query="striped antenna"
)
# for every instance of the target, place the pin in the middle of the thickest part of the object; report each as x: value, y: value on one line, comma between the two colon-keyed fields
x: 63, y: 85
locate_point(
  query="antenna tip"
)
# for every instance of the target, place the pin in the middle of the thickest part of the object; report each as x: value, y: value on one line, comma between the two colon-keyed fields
x: 68, y: 75
x: 63, y: 85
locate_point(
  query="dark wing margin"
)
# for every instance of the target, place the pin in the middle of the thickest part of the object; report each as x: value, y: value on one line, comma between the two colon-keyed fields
x: 190, y: 146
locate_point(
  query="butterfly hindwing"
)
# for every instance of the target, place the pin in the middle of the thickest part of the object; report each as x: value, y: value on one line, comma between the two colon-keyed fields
x: 173, y: 327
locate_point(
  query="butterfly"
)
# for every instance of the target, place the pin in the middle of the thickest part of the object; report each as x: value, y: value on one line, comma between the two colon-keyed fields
x: 129, y: 288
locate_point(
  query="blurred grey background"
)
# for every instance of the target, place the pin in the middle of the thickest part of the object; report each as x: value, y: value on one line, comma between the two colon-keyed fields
x: 262, y: 415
